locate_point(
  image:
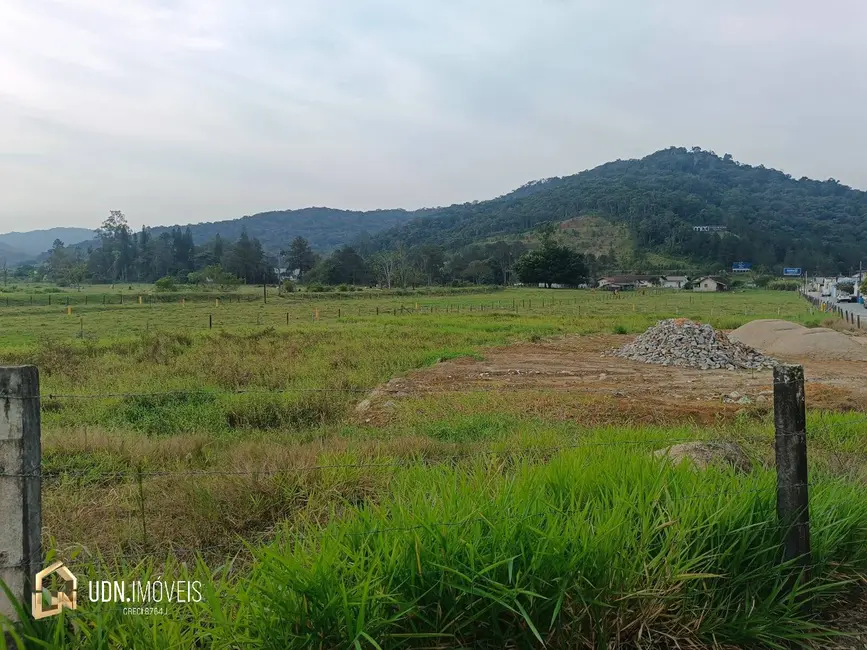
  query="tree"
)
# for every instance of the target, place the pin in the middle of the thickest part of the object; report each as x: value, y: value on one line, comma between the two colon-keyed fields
x: 477, y: 271
x: 76, y: 274
x: 385, y: 266
x: 246, y: 259
x: 58, y: 261
x: 117, y: 251
x: 299, y: 256
x: 429, y: 261
x: 343, y: 266
x: 503, y: 256
x: 552, y: 264
x: 213, y: 274
x: 165, y: 284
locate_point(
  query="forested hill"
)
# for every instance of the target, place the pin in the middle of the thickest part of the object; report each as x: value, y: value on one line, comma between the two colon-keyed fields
x: 324, y: 228
x: 771, y: 218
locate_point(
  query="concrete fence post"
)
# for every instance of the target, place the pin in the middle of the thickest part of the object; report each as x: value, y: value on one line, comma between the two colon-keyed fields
x: 20, y: 484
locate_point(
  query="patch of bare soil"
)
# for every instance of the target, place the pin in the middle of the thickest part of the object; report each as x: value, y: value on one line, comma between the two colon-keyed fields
x: 610, y: 389
x: 851, y: 619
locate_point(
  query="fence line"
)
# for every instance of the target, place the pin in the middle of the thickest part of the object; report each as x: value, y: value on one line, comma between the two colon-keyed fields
x: 832, y: 308
x: 20, y: 423
x: 216, y: 392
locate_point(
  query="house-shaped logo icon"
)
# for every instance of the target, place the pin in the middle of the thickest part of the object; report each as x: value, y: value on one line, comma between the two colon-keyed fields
x: 63, y: 597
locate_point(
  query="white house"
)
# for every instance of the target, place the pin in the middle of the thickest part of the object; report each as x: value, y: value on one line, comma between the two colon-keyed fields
x: 673, y: 281
x: 709, y: 284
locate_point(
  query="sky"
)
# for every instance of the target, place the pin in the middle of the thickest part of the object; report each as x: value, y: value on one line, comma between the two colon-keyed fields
x: 182, y: 111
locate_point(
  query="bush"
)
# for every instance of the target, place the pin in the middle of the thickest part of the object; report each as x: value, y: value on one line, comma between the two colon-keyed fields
x: 784, y: 285
x: 343, y: 287
x: 165, y: 284
x: 287, y: 286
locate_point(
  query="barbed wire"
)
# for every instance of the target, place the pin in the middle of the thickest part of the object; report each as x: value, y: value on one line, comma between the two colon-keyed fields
x: 218, y: 392
x: 464, y: 521
x: 414, y: 460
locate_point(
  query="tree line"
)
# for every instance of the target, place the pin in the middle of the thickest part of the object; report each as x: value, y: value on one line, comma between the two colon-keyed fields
x: 121, y: 255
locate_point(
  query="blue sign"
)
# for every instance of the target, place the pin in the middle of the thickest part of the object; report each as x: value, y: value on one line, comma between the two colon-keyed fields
x: 741, y: 266
x: 792, y: 271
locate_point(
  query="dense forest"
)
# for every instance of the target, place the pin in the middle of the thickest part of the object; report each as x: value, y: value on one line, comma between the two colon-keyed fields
x: 324, y: 228
x: 770, y: 219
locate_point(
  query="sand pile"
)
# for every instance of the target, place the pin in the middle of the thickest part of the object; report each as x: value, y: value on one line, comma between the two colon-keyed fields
x: 682, y: 342
x: 782, y: 338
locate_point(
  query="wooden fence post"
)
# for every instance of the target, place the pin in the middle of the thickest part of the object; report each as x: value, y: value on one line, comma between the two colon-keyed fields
x: 20, y: 484
x: 790, y: 424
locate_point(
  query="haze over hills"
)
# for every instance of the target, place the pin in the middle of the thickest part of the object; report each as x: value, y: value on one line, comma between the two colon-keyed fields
x: 324, y: 228
x: 32, y: 243
x: 653, y: 204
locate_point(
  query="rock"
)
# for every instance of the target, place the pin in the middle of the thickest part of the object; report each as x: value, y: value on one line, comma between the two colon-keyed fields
x: 682, y: 342
x: 744, y: 400
x: 705, y: 454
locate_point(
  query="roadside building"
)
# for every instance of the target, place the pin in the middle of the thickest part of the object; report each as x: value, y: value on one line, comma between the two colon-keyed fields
x: 673, y: 281
x: 709, y: 283
x: 627, y: 282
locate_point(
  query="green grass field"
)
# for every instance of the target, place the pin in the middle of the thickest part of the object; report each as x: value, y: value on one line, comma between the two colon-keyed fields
x: 231, y: 455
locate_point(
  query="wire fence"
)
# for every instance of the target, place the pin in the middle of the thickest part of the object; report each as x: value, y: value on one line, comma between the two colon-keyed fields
x: 136, y: 507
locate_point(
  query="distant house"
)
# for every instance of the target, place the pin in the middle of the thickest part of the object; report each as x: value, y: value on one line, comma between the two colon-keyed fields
x: 709, y: 283
x: 673, y: 281
x: 626, y: 282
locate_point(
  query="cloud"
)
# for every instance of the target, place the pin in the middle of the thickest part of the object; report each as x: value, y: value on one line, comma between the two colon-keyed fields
x: 190, y: 110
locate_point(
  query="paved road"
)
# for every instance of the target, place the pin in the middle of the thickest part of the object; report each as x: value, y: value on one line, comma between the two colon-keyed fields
x: 851, y: 307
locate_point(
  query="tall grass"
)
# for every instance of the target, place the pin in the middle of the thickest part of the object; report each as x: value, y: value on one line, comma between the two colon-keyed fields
x: 596, y: 548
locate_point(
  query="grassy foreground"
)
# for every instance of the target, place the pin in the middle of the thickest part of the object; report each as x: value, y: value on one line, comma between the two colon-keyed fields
x: 591, y: 549
x: 469, y: 521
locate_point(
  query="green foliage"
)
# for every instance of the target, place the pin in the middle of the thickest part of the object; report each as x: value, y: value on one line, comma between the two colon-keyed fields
x: 343, y: 267
x: 772, y: 219
x: 299, y: 257
x: 213, y: 275
x: 166, y: 284
x: 784, y: 285
x: 552, y: 264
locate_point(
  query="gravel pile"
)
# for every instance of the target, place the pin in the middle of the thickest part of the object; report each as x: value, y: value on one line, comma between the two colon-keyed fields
x: 682, y: 342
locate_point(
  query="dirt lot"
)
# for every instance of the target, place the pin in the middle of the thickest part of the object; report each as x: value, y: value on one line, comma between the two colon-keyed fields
x: 577, y: 365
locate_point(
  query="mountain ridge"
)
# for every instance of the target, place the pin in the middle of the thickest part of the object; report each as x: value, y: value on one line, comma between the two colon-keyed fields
x: 769, y: 218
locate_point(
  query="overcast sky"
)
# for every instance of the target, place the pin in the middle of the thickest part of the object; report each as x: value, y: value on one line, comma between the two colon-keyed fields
x: 181, y: 111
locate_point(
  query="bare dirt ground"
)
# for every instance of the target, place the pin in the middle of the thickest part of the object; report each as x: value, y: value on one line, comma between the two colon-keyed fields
x: 577, y: 365
x: 625, y: 391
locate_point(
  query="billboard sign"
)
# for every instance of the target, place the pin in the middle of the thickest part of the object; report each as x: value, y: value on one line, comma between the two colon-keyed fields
x: 741, y: 267
x: 792, y: 272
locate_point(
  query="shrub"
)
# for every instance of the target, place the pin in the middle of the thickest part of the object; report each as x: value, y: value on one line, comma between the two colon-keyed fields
x: 287, y: 286
x: 784, y: 285
x: 343, y: 287
x: 165, y: 284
